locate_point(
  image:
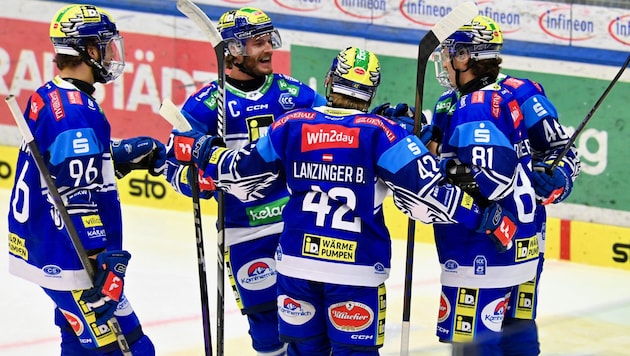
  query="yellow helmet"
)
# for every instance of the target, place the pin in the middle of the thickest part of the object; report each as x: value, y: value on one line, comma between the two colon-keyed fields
x: 236, y: 26
x: 354, y: 72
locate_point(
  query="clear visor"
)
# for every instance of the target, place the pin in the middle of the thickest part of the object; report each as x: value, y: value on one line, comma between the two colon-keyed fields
x: 114, y: 58
x: 254, y: 45
x: 440, y: 59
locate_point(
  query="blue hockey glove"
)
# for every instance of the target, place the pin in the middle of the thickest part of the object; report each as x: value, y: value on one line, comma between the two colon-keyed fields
x: 109, y: 277
x: 138, y: 153
x: 193, y: 147
x: 500, y: 225
x: 551, y: 186
x: 402, y: 114
x: 430, y: 132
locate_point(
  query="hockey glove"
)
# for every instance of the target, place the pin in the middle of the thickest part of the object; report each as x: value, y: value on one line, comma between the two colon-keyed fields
x: 109, y: 277
x: 402, y: 114
x: 430, y: 132
x: 551, y: 186
x: 499, y: 225
x: 138, y: 153
x: 193, y: 147
x: 460, y: 175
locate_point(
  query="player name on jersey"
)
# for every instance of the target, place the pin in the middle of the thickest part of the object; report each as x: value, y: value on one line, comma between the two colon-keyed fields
x: 328, y: 172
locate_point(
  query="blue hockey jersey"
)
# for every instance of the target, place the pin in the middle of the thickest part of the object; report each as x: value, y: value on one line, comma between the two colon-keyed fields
x: 339, y: 165
x: 485, y: 130
x: 73, y: 135
x: 546, y: 135
x: 248, y: 117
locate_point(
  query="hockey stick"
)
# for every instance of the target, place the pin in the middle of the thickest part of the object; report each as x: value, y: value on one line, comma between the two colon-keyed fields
x: 438, y: 33
x: 193, y: 12
x: 29, y: 139
x: 171, y: 113
x: 588, y: 117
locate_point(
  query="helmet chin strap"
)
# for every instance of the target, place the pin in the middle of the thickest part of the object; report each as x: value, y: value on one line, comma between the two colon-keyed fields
x: 98, y: 70
x: 458, y: 72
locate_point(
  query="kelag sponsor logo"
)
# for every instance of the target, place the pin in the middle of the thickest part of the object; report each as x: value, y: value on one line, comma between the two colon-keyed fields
x: 619, y: 29
x: 267, y: 214
x: 363, y: 9
x: 565, y: 25
x: 300, y: 5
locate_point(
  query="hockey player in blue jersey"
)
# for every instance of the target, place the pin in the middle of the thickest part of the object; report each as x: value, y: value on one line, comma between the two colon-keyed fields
x: 547, y: 139
x: 339, y: 163
x: 73, y: 136
x: 485, y: 149
x: 255, y: 98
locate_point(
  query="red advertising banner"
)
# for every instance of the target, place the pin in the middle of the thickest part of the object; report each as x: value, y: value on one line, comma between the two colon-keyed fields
x: 157, y: 67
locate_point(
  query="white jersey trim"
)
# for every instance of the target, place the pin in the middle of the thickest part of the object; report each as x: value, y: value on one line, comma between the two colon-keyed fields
x: 65, y: 280
x: 236, y: 235
x: 494, y: 277
x: 330, y: 272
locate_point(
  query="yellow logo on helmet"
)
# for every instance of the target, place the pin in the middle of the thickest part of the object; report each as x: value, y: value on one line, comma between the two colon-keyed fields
x: 67, y: 20
x: 359, y: 66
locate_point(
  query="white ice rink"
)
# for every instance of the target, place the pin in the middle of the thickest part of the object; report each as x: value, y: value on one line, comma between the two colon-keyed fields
x: 583, y: 310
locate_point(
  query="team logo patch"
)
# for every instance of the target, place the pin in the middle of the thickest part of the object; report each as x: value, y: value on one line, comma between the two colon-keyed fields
x: 492, y: 314
x: 293, y: 311
x: 258, y: 274
x: 350, y: 316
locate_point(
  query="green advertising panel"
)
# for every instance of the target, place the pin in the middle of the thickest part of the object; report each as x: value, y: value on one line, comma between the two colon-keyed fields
x: 603, y: 145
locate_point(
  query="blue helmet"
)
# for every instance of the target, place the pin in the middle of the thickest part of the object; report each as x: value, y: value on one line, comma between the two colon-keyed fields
x: 481, y: 37
x: 75, y: 27
x: 236, y: 26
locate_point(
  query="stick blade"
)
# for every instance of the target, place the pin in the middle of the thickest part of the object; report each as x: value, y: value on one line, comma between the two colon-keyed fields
x: 455, y: 19
x: 171, y: 113
x: 193, y: 12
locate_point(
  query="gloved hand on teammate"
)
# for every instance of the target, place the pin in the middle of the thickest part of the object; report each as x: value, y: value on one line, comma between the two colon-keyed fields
x: 551, y: 186
x: 138, y: 153
x: 109, y: 277
x: 499, y: 225
x: 193, y: 147
x: 430, y: 132
x: 402, y: 114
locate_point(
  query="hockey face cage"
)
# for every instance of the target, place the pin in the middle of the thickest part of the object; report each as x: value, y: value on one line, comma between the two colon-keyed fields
x: 237, y: 26
x: 75, y: 27
x: 355, y: 73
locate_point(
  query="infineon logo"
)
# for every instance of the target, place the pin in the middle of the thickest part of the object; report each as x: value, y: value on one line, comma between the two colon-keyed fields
x: 619, y: 29
x: 300, y: 5
x: 363, y: 9
x: 564, y: 24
